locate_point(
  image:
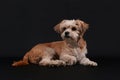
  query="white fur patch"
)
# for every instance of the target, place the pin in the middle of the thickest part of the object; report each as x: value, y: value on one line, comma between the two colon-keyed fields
x: 76, y: 52
x: 68, y: 23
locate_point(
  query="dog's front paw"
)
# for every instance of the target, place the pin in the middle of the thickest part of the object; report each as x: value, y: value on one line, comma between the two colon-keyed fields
x: 92, y: 63
x: 60, y: 63
x: 86, y: 62
x: 71, y: 60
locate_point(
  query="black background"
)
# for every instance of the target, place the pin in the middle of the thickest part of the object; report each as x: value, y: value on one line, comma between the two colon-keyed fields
x: 25, y: 23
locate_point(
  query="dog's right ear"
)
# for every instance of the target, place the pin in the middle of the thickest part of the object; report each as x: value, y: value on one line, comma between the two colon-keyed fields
x: 57, y: 28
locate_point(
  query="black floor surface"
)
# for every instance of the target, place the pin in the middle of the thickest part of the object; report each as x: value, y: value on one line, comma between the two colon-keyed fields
x: 108, y: 69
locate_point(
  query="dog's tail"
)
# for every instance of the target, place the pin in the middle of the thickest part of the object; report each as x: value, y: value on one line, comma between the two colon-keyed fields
x: 22, y: 62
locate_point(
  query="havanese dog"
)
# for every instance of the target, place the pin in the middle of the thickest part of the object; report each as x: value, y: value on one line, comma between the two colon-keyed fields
x: 71, y: 50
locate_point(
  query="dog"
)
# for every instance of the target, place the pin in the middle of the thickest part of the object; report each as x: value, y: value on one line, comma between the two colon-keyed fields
x: 71, y: 50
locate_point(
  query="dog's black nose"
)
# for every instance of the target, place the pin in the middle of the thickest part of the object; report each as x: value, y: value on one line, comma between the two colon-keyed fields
x: 67, y: 33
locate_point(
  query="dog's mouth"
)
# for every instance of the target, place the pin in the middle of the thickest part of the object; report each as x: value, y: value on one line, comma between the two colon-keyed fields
x: 67, y: 36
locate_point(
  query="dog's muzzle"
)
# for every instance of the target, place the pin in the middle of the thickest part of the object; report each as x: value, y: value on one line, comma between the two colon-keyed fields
x: 67, y: 35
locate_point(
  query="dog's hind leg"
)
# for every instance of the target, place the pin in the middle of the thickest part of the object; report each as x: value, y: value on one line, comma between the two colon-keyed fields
x: 49, y: 62
x: 47, y: 58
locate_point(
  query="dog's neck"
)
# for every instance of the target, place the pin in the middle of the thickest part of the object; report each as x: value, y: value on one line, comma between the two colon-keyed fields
x: 72, y: 43
x: 75, y: 44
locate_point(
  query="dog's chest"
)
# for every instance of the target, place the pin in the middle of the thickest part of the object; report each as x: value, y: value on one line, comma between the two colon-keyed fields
x: 76, y: 52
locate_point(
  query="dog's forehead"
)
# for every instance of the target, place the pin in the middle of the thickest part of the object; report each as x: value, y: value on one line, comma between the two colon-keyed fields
x: 68, y: 23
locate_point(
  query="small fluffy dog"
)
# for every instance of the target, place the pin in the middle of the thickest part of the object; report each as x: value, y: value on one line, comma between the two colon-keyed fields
x: 60, y: 53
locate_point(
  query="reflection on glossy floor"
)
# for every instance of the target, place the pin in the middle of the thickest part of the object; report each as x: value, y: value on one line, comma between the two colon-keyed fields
x: 108, y: 69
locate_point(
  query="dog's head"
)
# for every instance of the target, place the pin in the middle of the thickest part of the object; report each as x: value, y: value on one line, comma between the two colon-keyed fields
x: 71, y: 29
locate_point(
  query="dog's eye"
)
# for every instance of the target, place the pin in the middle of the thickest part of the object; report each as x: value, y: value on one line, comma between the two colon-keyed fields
x: 77, y: 24
x: 64, y: 28
x: 74, y: 29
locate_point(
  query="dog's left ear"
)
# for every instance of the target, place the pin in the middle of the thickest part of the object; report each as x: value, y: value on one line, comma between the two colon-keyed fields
x: 83, y: 26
